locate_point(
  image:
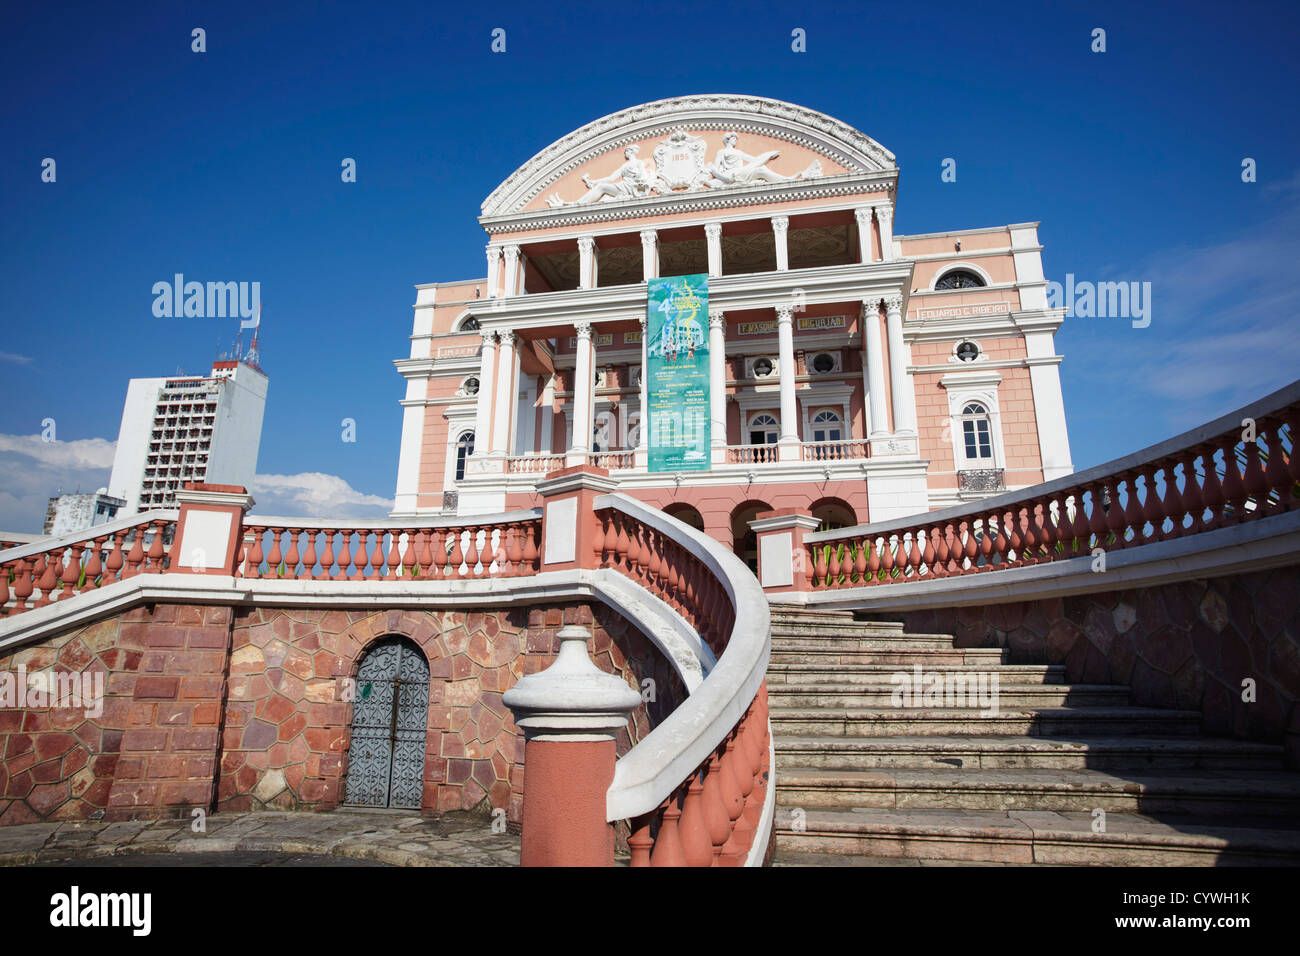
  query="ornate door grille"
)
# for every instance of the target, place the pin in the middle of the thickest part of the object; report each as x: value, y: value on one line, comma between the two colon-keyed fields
x: 389, y: 727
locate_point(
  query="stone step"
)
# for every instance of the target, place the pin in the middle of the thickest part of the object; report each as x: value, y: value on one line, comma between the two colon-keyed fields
x: 1196, y: 792
x: 838, y: 629
x: 871, y: 642
x: 853, y: 657
x: 812, y: 675
x: 1028, y: 836
x: 797, y: 612
x: 1060, y: 753
x: 947, y: 722
x: 838, y: 697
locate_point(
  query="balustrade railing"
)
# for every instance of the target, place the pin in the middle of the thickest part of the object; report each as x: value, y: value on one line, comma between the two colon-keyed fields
x: 835, y: 450
x: 613, y: 460
x: 55, y: 569
x: 1236, y: 469
x: 750, y: 454
x: 497, y: 546
x: 534, y: 464
x: 694, y: 789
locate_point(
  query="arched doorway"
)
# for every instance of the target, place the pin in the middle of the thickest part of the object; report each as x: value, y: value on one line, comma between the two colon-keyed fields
x: 686, y: 514
x: 744, y: 542
x: 833, y: 513
x: 390, y: 718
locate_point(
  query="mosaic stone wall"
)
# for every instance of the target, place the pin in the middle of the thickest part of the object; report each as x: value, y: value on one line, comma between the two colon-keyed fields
x: 1186, y: 645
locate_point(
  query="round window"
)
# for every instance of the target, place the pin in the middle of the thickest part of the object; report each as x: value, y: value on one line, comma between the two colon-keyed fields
x: 471, y: 386
x: 823, y: 362
x: 762, y: 368
x: 968, y: 352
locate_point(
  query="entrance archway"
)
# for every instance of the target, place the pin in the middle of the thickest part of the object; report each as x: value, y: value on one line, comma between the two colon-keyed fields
x: 390, y: 722
x: 744, y: 542
x: 833, y: 513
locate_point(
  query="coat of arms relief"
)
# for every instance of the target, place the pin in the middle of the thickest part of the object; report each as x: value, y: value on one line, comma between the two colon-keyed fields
x: 679, y: 165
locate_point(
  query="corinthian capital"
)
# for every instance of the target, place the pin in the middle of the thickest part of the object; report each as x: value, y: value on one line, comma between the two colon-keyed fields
x: 718, y: 320
x: 780, y: 224
x: 784, y: 314
x: 583, y: 330
x: 648, y: 238
x: 489, y: 338
x: 507, y: 337
x: 713, y: 230
x: 586, y: 244
x: 885, y: 212
x: 863, y: 215
x: 894, y: 304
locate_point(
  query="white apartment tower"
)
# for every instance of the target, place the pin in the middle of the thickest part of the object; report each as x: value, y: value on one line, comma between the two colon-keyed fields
x: 188, y: 428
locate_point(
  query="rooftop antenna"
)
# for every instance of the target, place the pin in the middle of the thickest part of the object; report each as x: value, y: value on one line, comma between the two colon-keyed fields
x: 252, y: 357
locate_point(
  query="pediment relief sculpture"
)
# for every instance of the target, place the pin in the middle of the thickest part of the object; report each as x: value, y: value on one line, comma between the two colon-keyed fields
x: 679, y: 166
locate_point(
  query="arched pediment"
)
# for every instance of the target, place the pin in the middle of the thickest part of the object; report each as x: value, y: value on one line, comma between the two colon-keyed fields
x: 690, y: 145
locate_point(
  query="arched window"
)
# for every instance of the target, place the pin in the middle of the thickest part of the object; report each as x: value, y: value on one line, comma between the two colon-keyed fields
x: 958, y: 279
x: 826, y: 426
x: 763, y: 429
x: 464, y: 448
x: 469, y: 325
x: 977, y: 433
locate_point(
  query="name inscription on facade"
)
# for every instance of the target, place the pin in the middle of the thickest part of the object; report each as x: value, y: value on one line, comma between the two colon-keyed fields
x: 965, y: 311
x: 808, y: 323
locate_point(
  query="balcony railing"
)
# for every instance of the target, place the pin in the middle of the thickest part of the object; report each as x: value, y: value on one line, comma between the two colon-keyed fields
x: 750, y: 454
x: 835, y: 450
x: 982, y: 479
x: 534, y: 464
x: 613, y: 460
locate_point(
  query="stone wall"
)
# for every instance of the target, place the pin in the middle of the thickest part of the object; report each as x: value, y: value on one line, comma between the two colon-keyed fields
x: 245, y: 709
x: 1186, y: 645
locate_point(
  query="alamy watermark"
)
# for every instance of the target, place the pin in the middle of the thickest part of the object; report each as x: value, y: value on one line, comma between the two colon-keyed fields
x: 54, y: 689
x: 922, y: 688
x: 211, y: 300
x: 1103, y: 300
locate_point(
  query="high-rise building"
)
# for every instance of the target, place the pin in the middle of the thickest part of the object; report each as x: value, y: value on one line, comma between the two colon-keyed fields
x: 188, y: 428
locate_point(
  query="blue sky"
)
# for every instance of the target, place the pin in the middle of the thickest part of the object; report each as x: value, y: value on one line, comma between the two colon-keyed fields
x: 225, y: 166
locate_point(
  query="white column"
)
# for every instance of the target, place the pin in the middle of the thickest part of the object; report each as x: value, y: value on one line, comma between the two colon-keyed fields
x: 874, y: 369
x: 494, y: 269
x: 548, y: 416
x: 718, y: 384
x: 505, y: 401
x: 582, y: 386
x: 863, y: 217
x: 649, y: 254
x: 641, y: 458
x: 523, y: 274
x: 586, y: 262
x: 713, y: 235
x: 1049, y: 407
x: 789, y: 441
x: 885, y: 219
x: 407, y: 498
x: 512, y: 271
x: 780, y: 225
x: 486, y: 391
x: 900, y: 383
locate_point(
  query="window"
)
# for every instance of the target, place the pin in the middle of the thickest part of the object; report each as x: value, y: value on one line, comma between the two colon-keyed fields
x: 967, y: 351
x: 762, y: 430
x: 977, y: 434
x: 958, y: 279
x: 826, y: 426
x: 464, y: 448
x: 823, y: 362
x: 469, y: 325
x: 763, y: 368
x: 471, y: 386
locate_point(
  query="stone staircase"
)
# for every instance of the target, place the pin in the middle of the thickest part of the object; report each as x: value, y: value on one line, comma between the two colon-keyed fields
x: 862, y: 781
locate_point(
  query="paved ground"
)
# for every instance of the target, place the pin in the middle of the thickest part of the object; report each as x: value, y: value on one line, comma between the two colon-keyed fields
x: 340, y: 838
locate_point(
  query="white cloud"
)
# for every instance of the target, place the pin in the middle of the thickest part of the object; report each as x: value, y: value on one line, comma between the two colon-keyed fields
x: 15, y: 358
x: 316, y: 495
x: 32, y: 471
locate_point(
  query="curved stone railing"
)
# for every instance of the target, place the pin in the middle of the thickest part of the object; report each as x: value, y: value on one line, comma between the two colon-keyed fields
x: 697, y: 789
x: 443, y: 548
x: 55, y: 569
x: 1236, y: 469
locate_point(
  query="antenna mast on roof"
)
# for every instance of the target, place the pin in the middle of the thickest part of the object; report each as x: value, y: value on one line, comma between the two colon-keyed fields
x: 252, y: 356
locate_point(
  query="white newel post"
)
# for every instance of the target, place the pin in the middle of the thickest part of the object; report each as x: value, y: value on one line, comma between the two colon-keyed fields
x: 900, y: 382
x: 505, y: 397
x: 863, y: 217
x: 713, y: 236
x: 885, y: 219
x: 788, y: 446
x: 874, y: 369
x: 780, y: 226
x: 649, y: 254
x: 718, y: 385
x: 582, y: 386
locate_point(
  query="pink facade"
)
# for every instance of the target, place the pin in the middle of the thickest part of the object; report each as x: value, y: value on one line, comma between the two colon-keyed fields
x: 918, y: 371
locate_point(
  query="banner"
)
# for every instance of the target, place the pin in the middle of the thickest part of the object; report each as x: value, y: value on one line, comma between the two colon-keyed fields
x: 677, y: 366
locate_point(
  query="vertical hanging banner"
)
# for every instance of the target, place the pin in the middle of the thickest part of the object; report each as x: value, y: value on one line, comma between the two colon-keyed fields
x: 677, y: 360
